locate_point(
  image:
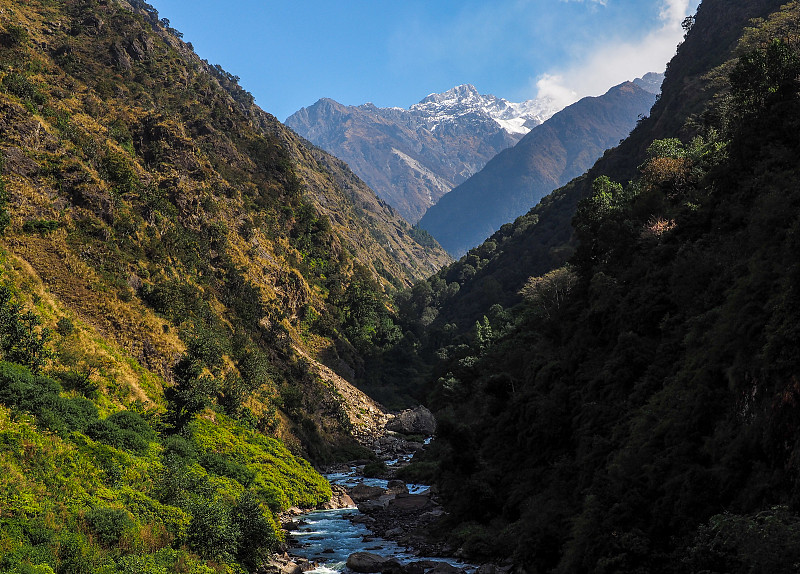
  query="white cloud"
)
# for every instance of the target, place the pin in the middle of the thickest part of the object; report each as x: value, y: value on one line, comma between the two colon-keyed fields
x: 608, y: 65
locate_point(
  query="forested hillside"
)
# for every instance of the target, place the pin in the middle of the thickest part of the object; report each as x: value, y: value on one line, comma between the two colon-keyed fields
x: 174, y: 266
x: 636, y: 411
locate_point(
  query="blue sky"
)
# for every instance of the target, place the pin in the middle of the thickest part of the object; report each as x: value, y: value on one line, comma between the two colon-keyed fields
x: 290, y: 53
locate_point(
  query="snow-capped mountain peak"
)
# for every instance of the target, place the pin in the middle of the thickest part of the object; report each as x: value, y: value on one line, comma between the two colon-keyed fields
x: 514, y: 118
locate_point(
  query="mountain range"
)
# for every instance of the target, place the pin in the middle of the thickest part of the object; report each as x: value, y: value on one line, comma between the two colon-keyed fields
x: 413, y: 157
x: 551, y: 154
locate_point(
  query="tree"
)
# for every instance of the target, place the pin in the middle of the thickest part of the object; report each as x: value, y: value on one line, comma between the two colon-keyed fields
x: 22, y: 339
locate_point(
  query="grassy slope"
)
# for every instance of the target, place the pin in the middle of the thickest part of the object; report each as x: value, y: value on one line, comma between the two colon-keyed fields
x: 155, y: 213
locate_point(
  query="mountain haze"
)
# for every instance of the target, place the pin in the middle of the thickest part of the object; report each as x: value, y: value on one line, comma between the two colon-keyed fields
x: 561, y: 148
x: 413, y: 157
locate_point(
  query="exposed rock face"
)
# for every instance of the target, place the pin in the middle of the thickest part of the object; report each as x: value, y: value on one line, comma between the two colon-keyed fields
x: 413, y: 157
x: 418, y: 420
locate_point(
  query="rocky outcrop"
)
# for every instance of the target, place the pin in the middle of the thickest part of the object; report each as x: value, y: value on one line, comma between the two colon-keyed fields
x: 418, y: 420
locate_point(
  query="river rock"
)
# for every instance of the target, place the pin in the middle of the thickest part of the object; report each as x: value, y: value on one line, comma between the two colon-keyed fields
x: 375, y: 505
x: 397, y: 487
x: 418, y: 420
x: 445, y: 568
x: 361, y: 492
x: 392, y: 566
x: 291, y: 568
x: 409, y: 503
x: 339, y: 499
x: 420, y: 566
x: 366, y: 562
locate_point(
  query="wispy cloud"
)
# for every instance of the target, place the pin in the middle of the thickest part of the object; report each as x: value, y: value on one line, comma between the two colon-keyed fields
x: 601, y: 67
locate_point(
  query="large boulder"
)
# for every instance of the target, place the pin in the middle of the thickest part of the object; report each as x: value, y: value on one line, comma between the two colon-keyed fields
x: 397, y: 487
x: 362, y: 492
x: 339, y: 499
x: 418, y: 420
x: 366, y: 562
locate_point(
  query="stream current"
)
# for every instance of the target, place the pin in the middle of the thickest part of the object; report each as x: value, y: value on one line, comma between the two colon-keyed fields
x: 328, y: 537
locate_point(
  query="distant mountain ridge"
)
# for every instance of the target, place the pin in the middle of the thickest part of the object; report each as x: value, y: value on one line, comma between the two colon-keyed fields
x: 413, y: 157
x: 552, y: 154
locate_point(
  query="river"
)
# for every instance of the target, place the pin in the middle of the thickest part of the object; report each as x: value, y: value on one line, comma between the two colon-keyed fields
x: 328, y: 537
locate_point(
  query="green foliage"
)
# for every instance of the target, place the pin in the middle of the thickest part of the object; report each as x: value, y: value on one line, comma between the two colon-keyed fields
x: 375, y: 469
x: 763, y: 78
x: 14, y: 36
x: 125, y: 430
x: 422, y: 237
x: 22, y: 339
x: 20, y: 85
x: 257, y: 537
x: 42, y: 226
x: 120, y: 172
x: 39, y: 396
x: 109, y: 524
x: 64, y: 327
x: 768, y: 541
x: 615, y: 438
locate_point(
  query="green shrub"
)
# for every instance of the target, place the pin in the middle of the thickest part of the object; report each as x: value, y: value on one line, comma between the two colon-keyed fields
x: 419, y: 472
x: 257, y: 537
x: 75, y: 555
x: 14, y: 36
x: 78, y: 381
x: 109, y: 524
x: 22, y: 339
x: 125, y: 430
x: 19, y: 85
x: 375, y: 469
x: 38, y: 395
x: 222, y: 465
x: 212, y: 532
x: 40, y: 226
x: 176, y: 446
x: 64, y: 327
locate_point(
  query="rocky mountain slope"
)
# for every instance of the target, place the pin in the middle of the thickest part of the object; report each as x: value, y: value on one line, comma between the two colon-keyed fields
x: 413, y: 157
x: 553, y: 153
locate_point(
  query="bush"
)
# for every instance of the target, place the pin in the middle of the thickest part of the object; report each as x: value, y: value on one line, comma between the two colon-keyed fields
x: 212, y: 532
x: 125, y: 430
x: 222, y: 465
x: 77, y: 381
x: 110, y: 524
x: 22, y: 339
x: 64, y: 327
x: 256, y: 530
x: 19, y: 85
x: 375, y: 469
x: 22, y: 390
